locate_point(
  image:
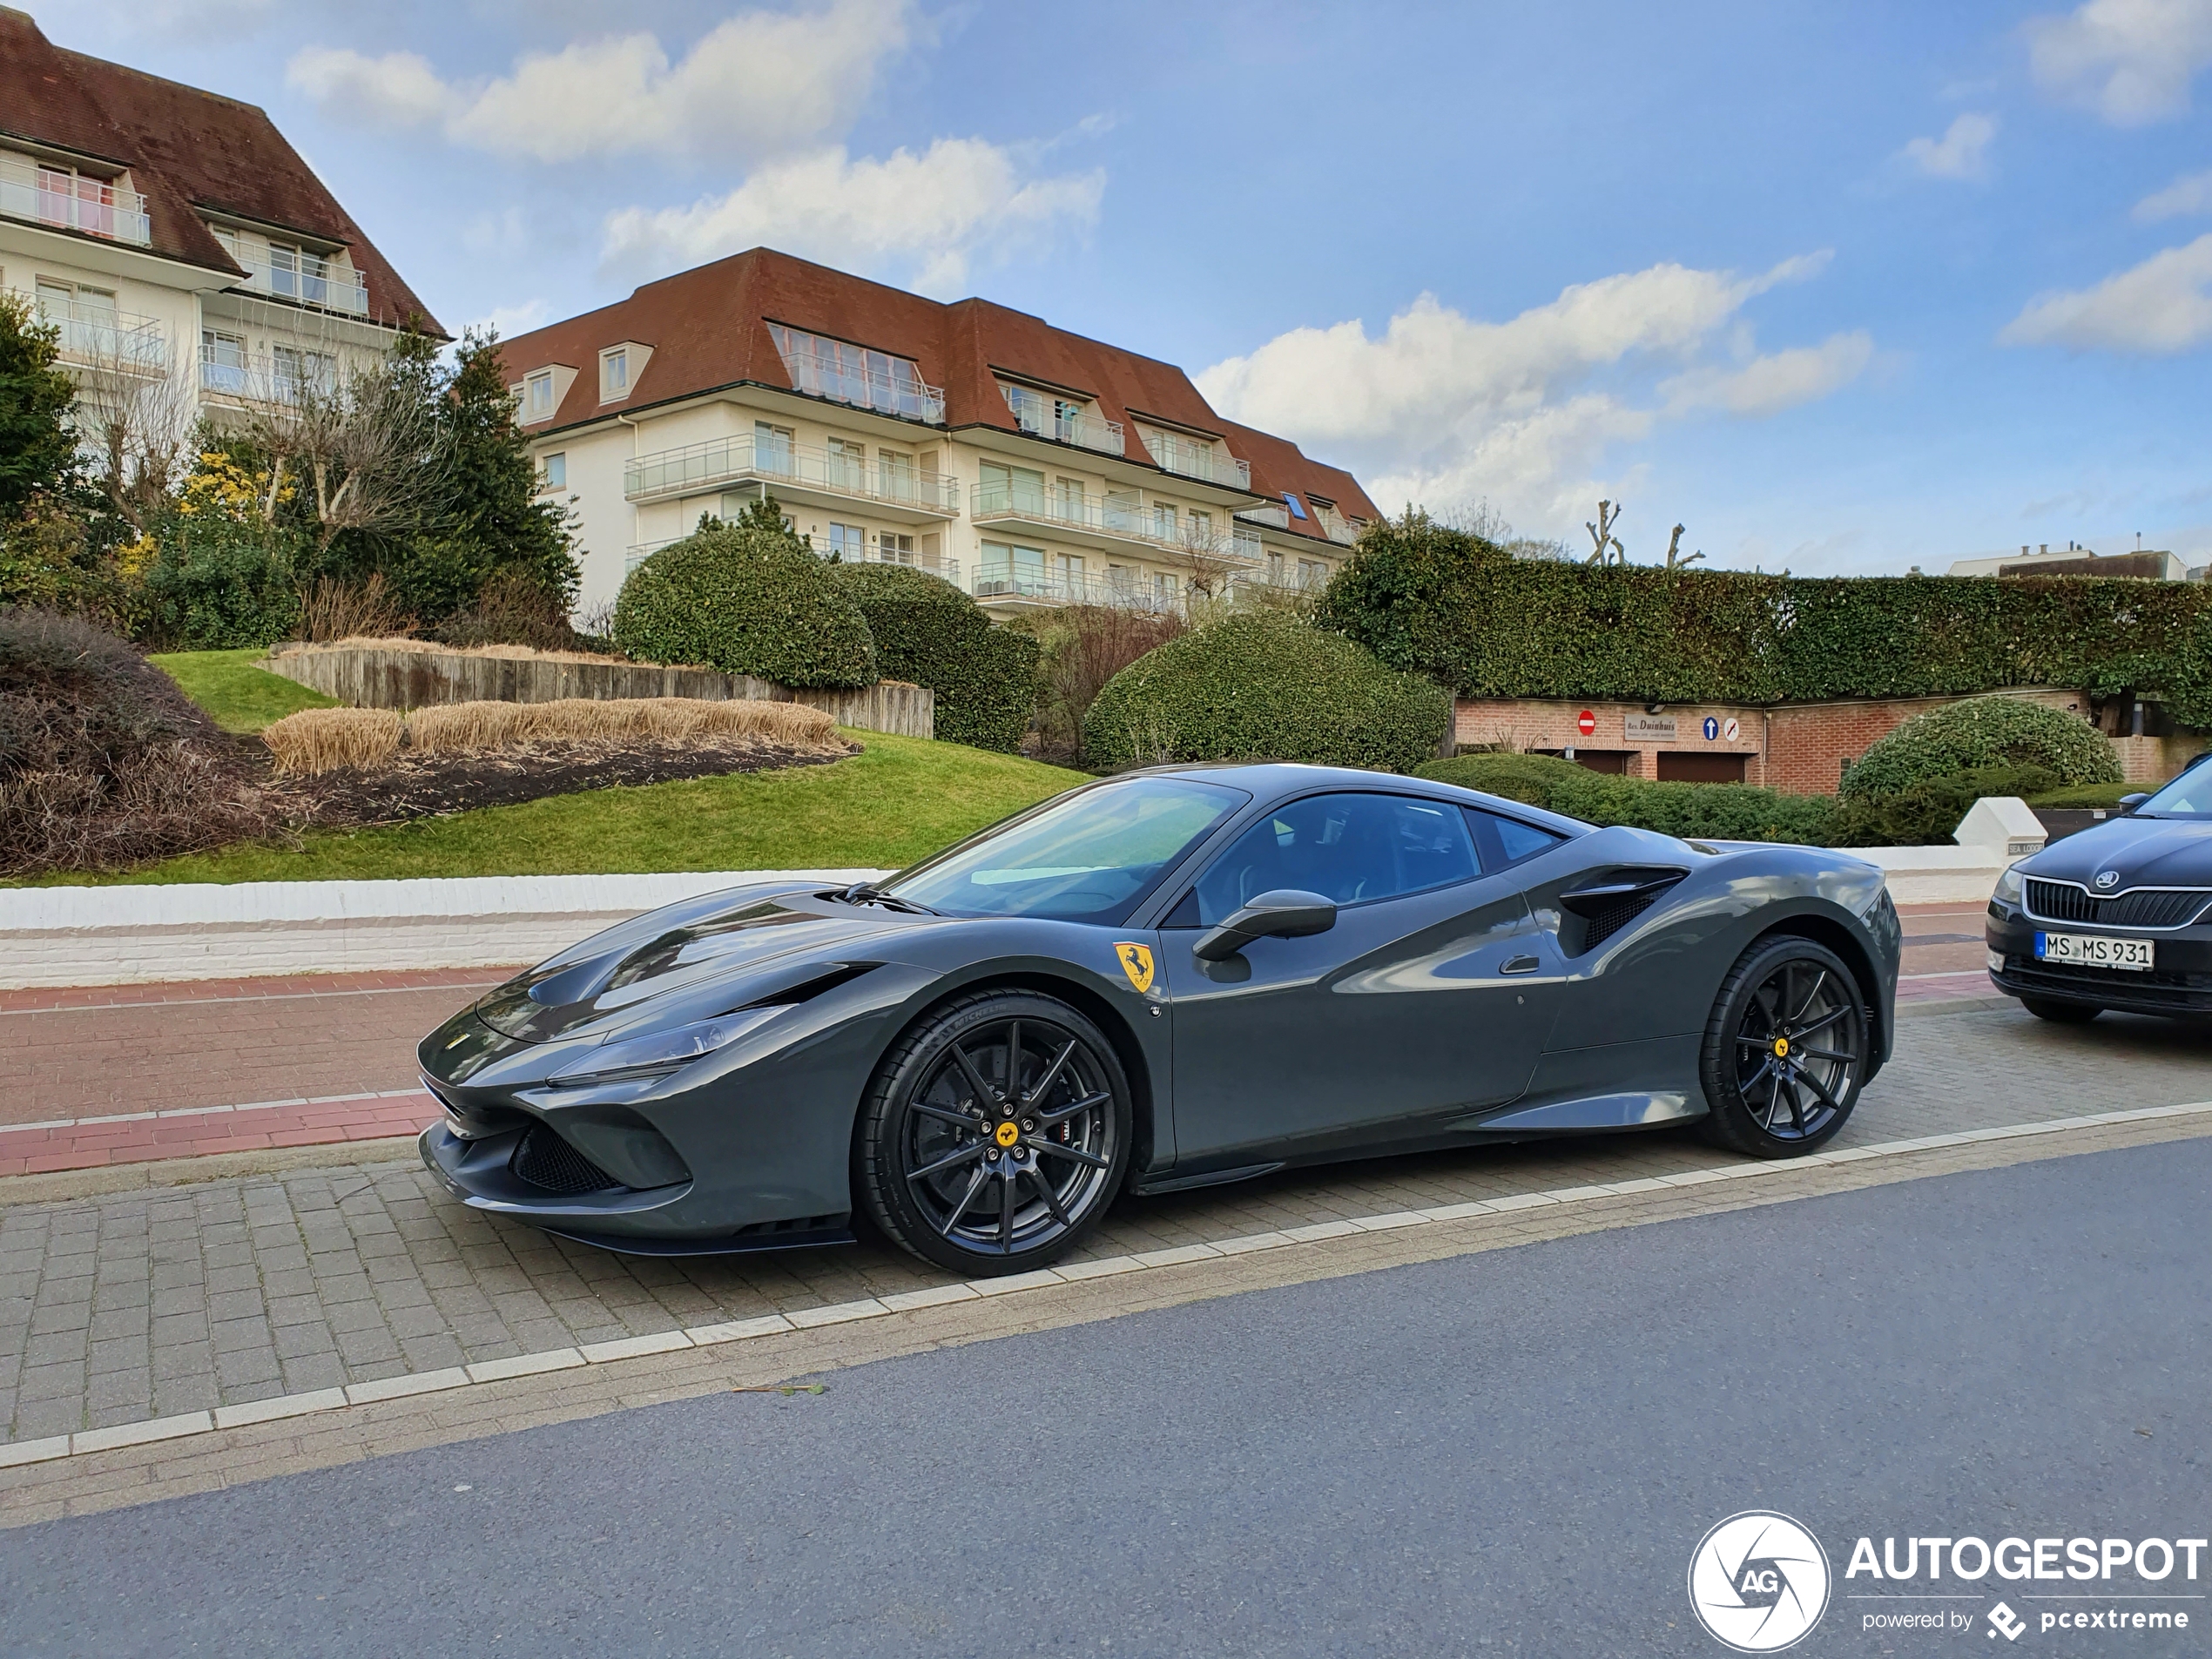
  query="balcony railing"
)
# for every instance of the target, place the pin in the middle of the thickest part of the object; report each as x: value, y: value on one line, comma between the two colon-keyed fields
x: 719, y: 460
x: 97, y: 338
x: 1212, y: 465
x: 998, y: 583
x: 311, y: 279
x: 251, y: 377
x: 73, y: 202
x: 1339, y: 530
x: 1121, y: 521
x: 1064, y: 422
x: 886, y: 391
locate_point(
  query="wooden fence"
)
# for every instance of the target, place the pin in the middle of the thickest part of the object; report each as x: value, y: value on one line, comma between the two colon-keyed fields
x: 371, y: 678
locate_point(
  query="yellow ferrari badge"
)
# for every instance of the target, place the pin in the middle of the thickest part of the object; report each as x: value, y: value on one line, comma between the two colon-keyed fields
x: 1007, y: 1134
x: 1136, y: 962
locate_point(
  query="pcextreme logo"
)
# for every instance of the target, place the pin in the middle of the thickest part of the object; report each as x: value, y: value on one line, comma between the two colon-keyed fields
x: 1758, y: 1581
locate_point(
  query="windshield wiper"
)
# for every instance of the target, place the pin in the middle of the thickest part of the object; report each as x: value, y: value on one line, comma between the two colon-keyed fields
x: 868, y: 893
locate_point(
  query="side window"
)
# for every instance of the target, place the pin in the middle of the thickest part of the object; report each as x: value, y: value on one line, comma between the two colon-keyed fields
x: 1352, y: 848
x: 1507, y: 840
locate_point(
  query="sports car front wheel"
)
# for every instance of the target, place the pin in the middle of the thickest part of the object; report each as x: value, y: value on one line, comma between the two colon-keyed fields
x: 994, y: 1135
x: 1785, y: 1050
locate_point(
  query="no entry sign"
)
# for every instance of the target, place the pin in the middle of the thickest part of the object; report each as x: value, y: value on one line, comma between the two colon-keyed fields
x: 1586, y: 723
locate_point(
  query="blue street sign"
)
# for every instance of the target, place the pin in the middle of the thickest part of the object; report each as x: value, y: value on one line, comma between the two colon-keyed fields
x: 1712, y: 729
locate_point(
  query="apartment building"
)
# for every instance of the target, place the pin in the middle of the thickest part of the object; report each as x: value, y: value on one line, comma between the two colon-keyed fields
x: 187, y: 255
x: 1030, y: 466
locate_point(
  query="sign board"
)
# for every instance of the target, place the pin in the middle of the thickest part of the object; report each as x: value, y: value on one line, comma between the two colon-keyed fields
x: 1712, y: 729
x: 1586, y: 723
x: 1731, y: 731
x: 1649, y: 728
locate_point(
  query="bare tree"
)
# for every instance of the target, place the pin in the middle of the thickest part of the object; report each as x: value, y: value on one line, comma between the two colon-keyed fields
x: 367, y: 453
x: 134, y: 418
x: 1609, y: 550
x: 1674, y: 549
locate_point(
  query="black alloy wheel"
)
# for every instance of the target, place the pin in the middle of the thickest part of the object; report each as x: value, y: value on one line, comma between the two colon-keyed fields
x: 995, y: 1134
x: 1785, y: 1050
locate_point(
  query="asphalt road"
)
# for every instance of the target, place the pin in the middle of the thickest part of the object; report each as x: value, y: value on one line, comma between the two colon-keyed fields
x: 1514, y: 1451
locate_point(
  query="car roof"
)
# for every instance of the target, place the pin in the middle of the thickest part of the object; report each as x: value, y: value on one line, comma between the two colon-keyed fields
x: 1279, y: 779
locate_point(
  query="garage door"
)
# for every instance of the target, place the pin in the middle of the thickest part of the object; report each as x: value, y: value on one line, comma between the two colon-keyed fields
x: 1692, y: 766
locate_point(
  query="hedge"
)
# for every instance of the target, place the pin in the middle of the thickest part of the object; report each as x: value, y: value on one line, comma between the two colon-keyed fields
x: 929, y: 632
x: 1721, y: 811
x: 1983, y: 732
x: 1264, y: 685
x: 1468, y: 615
x: 746, y: 600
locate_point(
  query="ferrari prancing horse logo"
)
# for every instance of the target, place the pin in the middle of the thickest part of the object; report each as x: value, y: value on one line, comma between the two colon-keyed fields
x: 1136, y: 962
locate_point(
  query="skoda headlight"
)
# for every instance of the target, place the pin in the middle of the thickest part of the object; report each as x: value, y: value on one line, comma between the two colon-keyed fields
x: 664, y: 1051
x: 2008, y: 888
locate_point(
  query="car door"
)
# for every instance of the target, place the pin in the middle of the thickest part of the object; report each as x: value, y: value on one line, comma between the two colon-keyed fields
x: 1431, y: 996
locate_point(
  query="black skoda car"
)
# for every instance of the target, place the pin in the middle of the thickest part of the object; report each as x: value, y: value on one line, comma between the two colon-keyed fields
x: 2117, y: 917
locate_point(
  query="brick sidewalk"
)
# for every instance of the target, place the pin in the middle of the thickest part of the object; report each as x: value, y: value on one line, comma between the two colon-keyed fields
x: 195, y: 1131
x: 147, y: 1304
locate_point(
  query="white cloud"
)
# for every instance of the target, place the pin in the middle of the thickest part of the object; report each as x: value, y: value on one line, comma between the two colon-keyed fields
x: 758, y: 82
x: 1962, y: 153
x: 507, y: 321
x: 922, y: 219
x: 2191, y: 193
x: 1441, y: 407
x: 2155, y: 308
x: 2131, y: 61
x: 1771, y: 384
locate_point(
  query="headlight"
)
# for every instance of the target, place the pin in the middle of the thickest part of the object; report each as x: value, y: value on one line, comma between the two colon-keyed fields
x: 2008, y: 887
x: 664, y: 1051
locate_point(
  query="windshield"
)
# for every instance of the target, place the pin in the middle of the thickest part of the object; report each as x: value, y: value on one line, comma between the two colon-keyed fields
x: 2187, y: 796
x: 1088, y: 856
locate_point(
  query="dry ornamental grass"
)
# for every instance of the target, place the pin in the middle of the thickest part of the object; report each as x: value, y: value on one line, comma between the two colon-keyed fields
x: 318, y: 741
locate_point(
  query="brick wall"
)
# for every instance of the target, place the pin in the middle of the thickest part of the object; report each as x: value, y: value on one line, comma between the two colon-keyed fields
x: 1797, y: 747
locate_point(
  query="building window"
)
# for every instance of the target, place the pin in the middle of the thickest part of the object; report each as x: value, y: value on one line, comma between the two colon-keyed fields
x: 222, y: 362
x: 554, y: 473
x: 1166, y: 523
x: 894, y: 474
x: 1312, y: 573
x: 870, y: 380
x: 1165, y: 587
x: 847, y: 542
x: 614, y: 374
x: 1008, y: 570
x: 846, y: 464
x: 537, y: 396
x: 1067, y: 500
x: 1274, y: 569
x: 893, y: 548
x: 1201, y: 529
x: 299, y: 373
x: 772, y: 449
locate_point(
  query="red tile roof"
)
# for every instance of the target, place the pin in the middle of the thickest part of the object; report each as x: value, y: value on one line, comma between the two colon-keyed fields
x: 709, y: 328
x: 185, y: 149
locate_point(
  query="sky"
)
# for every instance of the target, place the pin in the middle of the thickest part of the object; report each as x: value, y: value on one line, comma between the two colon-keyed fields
x: 1853, y: 287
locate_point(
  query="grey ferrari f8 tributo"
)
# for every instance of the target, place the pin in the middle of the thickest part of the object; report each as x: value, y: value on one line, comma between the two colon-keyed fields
x: 1161, y: 981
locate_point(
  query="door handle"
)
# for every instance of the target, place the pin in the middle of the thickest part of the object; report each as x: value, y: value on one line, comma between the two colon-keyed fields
x: 1521, y: 965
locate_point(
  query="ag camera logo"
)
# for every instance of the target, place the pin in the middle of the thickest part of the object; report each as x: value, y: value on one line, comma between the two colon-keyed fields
x: 1758, y: 1581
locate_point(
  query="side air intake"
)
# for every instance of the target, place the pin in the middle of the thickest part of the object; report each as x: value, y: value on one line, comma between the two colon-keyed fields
x: 1604, y: 907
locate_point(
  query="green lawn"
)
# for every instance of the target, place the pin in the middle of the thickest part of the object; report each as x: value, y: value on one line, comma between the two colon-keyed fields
x: 241, y: 696
x: 899, y: 799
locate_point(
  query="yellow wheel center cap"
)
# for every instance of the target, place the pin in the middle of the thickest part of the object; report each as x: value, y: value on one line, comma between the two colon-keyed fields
x: 1006, y: 1133
x: 1782, y: 1048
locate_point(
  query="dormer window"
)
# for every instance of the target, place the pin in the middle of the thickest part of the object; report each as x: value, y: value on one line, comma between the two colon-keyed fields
x: 537, y: 396
x: 614, y: 374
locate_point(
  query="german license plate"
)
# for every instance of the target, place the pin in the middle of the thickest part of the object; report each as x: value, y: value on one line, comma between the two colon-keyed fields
x: 2093, y: 950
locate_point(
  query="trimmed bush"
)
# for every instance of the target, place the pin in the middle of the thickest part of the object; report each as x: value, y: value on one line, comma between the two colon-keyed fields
x: 219, y: 584
x: 746, y: 600
x: 1926, y: 813
x: 928, y: 632
x: 1264, y: 685
x: 1715, y: 812
x: 1984, y: 731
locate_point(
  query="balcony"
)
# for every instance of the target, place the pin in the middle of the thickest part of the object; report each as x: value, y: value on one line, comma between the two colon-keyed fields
x: 1337, y: 528
x: 307, y: 278
x: 249, y: 378
x: 1207, y: 463
x: 1034, y: 589
x: 1063, y: 422
x: 800, y: 469
x: 866, y: 379
x: 639, y: 552
x: 70, y: 201
x: 119, y: 342
x: 1108, y: 523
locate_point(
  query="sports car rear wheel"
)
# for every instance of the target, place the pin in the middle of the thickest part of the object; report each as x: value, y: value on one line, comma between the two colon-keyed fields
x: 1785, y: 1050
x: 995, y: 1134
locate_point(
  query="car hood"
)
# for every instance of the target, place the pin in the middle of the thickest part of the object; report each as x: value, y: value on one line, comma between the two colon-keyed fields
x: 692, y: 960
x: 2143, y: 852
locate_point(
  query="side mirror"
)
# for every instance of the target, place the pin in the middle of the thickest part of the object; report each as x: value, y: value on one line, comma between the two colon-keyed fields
x: 1284, y: 914
x: 2128, y: 803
